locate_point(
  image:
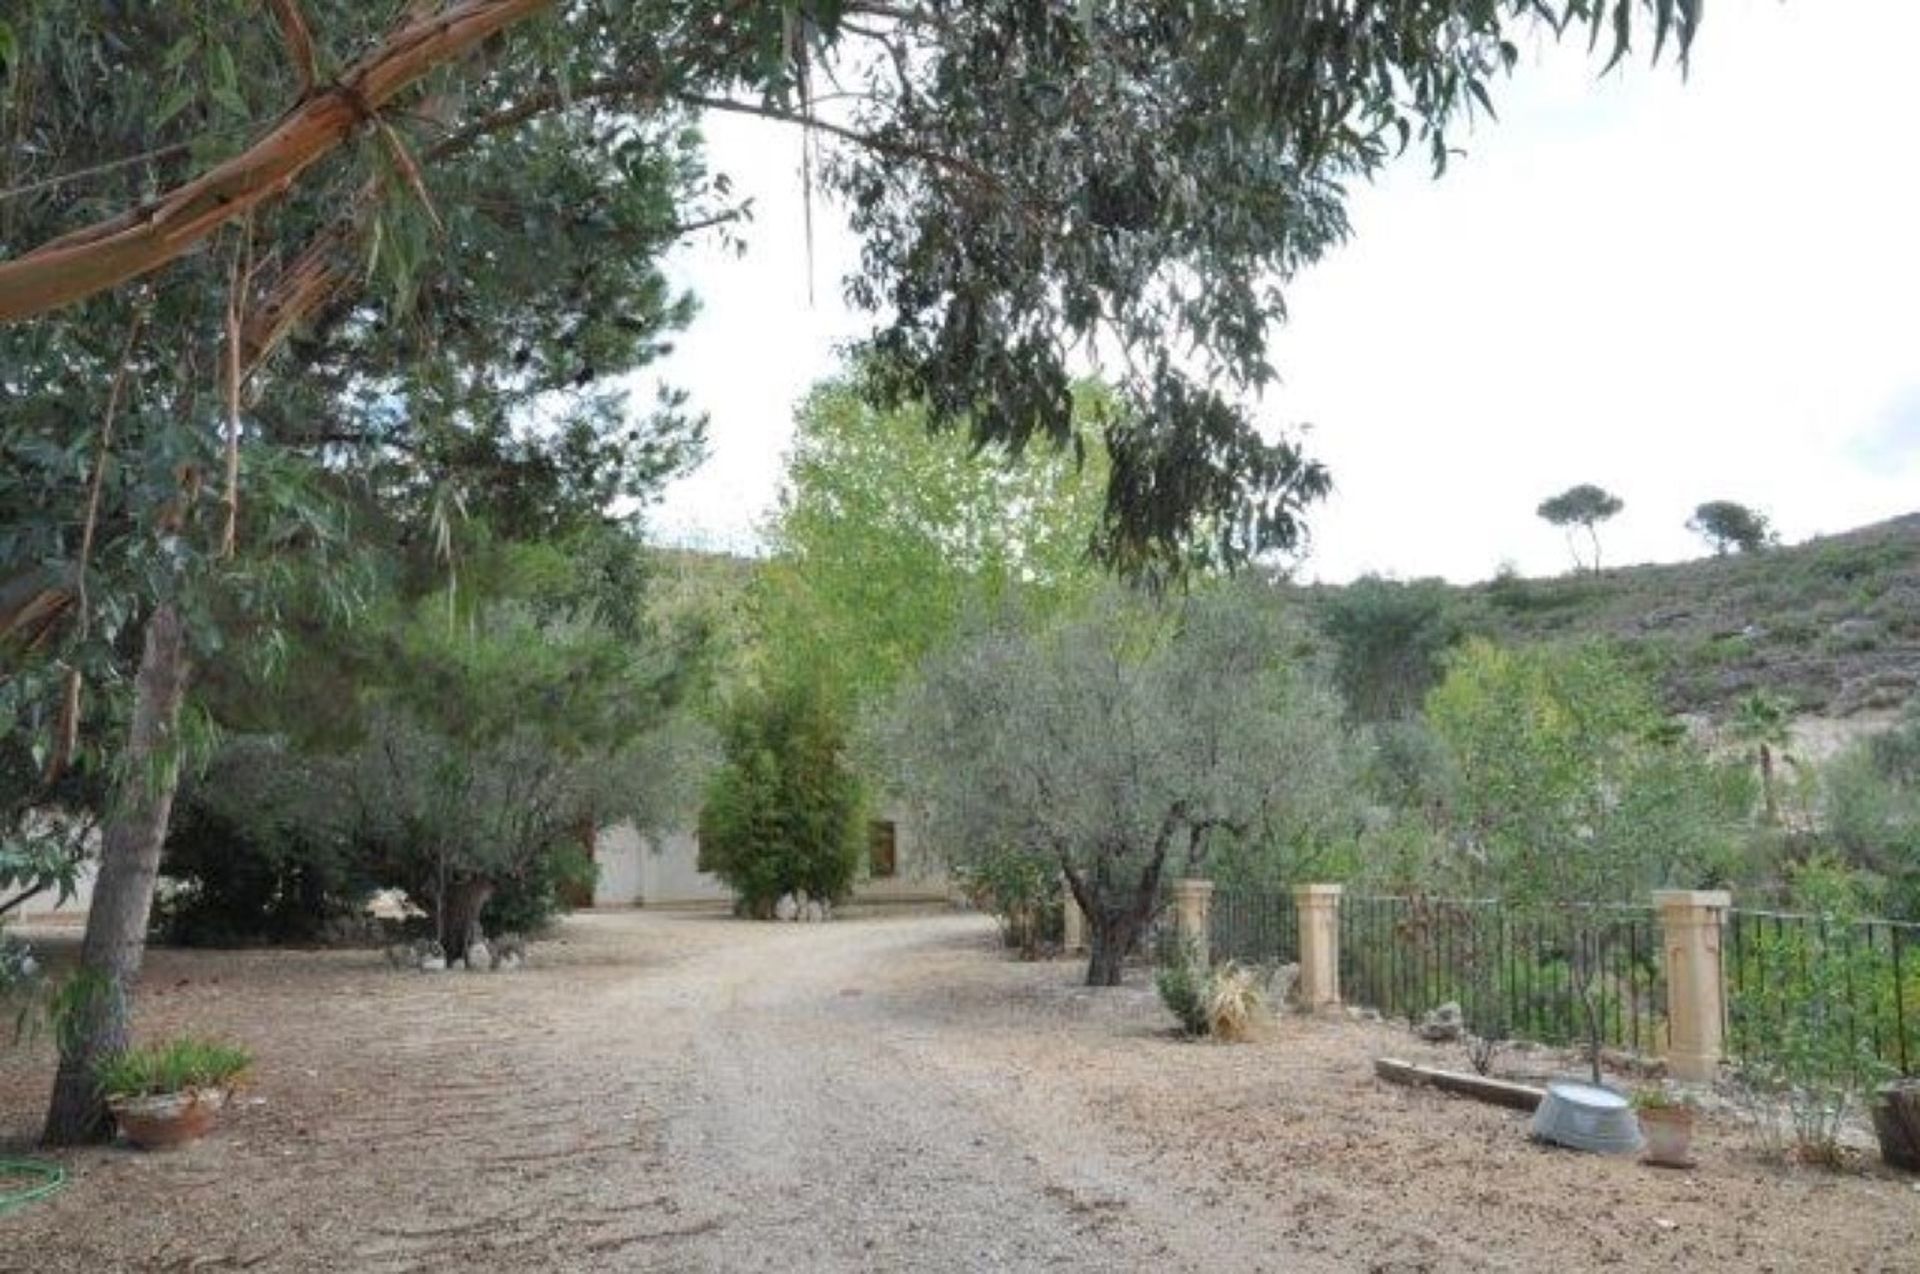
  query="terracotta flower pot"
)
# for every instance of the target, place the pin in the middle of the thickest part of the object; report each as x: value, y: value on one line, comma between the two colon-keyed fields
x: 1669, y: 1134
x: 168, y: 1119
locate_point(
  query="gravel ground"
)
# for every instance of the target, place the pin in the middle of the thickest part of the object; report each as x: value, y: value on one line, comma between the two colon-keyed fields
x: 681, y: 1092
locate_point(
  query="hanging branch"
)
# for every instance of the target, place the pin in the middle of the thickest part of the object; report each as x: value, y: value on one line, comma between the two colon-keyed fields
x: 238, y: 280
x: 67, y: 730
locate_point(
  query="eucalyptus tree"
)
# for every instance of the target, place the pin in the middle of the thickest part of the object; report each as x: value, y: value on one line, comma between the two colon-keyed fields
x: 132, y: 421
x: 1029, y: 179
x: 1114, y: 747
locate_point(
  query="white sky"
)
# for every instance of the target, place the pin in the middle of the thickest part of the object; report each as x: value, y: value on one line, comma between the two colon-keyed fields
x: 1680, y: 290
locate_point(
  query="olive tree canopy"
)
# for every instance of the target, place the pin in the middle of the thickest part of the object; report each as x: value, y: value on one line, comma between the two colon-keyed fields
x: 1115, y: 746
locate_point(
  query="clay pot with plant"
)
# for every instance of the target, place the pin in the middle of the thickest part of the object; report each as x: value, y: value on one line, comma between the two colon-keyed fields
x: 1666, y: 1122
x: 170, y: 1093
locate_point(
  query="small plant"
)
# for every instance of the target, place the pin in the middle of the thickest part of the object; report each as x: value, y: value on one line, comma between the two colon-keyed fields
x: 176, y: 1066
x: 1233, y: 1003
x: 1224, y: 1002
x: 1660, y: 1099
x: 1181, y: 980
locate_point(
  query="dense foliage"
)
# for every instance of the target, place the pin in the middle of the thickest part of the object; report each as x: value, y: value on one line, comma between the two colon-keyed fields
x: 1727, y: 525
x: 888, y: 534
x: 783, y: 812
x: 1116, y: 745
x: 1571, y: 792
x: 1871, y: 803
x: 1389, y: 641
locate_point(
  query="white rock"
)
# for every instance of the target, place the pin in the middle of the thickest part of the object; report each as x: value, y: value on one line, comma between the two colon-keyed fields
x: 812, y: 913
x: 479, y: 957
x: 433, y: 964
x: 787, y: 908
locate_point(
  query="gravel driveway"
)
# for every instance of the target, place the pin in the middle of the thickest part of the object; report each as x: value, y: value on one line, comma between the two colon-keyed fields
x: 686, y: 1092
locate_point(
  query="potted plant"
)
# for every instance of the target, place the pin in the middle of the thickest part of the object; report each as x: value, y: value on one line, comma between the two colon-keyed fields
x: 1896, y: 1122
x: 1666, y: 1121
x: 169, y: 1093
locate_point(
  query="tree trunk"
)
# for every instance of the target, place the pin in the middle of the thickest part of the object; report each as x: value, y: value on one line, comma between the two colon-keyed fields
x: 1112, y: 936
x: 1766, y: 785
x: 460, y: 919
x: 123, y: 893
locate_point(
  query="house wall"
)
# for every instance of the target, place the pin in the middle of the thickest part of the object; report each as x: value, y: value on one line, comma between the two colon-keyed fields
x: 654, y: 871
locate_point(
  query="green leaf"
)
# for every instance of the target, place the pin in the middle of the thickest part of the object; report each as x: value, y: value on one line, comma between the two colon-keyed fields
x: 173, y: 103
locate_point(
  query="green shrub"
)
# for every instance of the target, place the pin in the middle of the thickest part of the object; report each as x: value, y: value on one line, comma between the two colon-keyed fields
x: 1224, y: 1002
x: 1023, y: 890
x: 257, y: 852
x: 1803, y: 1028
x: 1181, y: 979
x: 1389, y: 639
x: 783, y: 812
x: 171, y: 1067
x: 528, y: 902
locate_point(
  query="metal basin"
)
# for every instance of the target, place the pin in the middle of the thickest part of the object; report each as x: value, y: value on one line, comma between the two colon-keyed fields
x: 1584, y: 1117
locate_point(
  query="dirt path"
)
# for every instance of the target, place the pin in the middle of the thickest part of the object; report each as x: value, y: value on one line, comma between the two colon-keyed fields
x: 678, y: 1092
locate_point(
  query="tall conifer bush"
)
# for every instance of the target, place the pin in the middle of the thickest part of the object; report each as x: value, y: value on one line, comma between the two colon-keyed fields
x: 784, y: 811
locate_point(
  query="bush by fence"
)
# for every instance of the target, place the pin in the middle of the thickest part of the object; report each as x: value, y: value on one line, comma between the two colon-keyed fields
x: 1796, y: 981
x: 1850, y: 988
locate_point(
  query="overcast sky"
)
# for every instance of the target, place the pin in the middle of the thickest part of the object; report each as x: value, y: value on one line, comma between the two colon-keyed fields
x: 1680, y: 290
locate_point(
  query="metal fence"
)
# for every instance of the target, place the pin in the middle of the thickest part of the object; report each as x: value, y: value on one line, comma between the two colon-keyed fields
x: 1512, y: 978
x: 1793, y: 977
x: 1254, y: 926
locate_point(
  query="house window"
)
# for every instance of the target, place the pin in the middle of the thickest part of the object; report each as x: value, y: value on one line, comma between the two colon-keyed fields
x: 882, y: 853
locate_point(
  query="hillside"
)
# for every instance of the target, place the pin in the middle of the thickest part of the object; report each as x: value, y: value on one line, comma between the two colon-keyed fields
x: 1833, y: 624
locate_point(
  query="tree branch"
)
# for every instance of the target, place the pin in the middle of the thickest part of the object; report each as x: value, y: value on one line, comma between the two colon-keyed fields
x: 110, y: 252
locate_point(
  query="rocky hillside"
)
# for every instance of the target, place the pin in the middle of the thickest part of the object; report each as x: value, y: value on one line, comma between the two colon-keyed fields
x: 1833, y: 624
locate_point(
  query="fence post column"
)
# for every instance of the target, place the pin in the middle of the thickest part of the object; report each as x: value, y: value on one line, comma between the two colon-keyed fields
x: 1690, y: 926
x: 1073, y: 921
x: 1319, y: 911
x: 1192, y: 901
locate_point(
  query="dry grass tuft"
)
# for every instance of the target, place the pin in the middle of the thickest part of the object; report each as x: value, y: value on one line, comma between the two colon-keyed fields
x: 1236, y: 1008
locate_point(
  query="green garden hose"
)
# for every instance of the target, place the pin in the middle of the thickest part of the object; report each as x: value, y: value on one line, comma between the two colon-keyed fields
x: 47, y: 1178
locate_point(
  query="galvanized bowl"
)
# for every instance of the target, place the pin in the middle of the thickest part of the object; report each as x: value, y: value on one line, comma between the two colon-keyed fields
x: 1586, y: 1117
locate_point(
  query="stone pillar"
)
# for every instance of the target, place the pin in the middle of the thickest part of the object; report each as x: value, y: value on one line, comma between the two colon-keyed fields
x: 1192, y: 901
x: 1073, y: 935
x: 1319, y: 910
x: 1690, y: 925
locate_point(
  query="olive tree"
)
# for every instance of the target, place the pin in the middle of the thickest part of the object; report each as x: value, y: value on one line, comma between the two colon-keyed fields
x: 1113, y: 747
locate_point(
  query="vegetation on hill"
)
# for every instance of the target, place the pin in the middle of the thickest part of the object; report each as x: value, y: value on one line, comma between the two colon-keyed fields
x: 1831, y: 625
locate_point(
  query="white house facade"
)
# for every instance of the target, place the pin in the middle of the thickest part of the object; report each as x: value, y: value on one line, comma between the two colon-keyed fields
x: 639, y: 870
